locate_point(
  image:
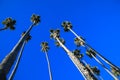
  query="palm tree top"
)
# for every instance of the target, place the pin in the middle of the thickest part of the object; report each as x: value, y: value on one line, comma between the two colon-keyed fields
x: 89, y: 52
x: 55, y: 33
x: 66, y: 25
x: 28, y: 37
x: 77, y: 53
x: 35, y: 19
x: 115, y: 72
x: 9, y: 23
x: 45, y: 47
x: 95, y: 70
x: 61, y: 40
x: 78, y: 42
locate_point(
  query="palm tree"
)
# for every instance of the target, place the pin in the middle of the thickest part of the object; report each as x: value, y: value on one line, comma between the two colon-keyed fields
x: 9, y: 23
x: 9, y: 60
x: 35, y: 19
x: 91, y: 55
x: 45, y: 49
x: 116, y: 73
x: 76, y: 52
x: 19, y: 57
x: 80, y: 66
x: 68, y: 27
x: 62, y: 41
x: 95, y: 70
x: 78, y: 42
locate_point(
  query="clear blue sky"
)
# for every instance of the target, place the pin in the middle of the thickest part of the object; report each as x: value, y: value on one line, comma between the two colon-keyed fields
x: 98, y: 21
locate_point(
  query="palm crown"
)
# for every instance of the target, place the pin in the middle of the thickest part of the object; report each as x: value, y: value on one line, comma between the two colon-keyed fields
x: 89, y: 52
x: 45, y: 46
x: 35, y: 19
x: 61, y: 40
x: 66, y: 25
x: 78, y: 42
x: 115, y: 72
x: 9, y: 23
x: 28, y: 37
x: 76, y: 52
x: 54, y: 33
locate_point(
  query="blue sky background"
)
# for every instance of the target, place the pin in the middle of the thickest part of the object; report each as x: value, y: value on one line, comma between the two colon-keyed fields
x: 98, y: 21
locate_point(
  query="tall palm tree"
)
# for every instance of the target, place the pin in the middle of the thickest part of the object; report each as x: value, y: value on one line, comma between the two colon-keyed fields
x: 9, y: 60
x: 91, y: 55
x: 68, y: 27
x: 80, y: 66
x: 45, y: 49
x: 19, y: 57
x: 9, y: 23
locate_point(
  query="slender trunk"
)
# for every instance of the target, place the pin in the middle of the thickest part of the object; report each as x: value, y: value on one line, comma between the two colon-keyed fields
x: 80, y: 66
x: 3, y: 29
x: 17, y: 62
x: 104, y: 67
x: 99, y: 55
x: 49, y: 69
x: 9, y: 60
x: 103, y: 58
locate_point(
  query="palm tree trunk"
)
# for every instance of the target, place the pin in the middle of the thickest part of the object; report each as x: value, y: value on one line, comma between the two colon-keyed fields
x: 3, y: 29
x: 104, y: 59
x: 99, y: 55
x: 80, y: 66
x: 104, y: 67
x: 17, y: 62
x: 49, y: 69
x: 9, y: 60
